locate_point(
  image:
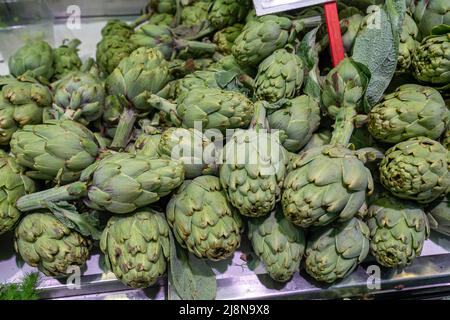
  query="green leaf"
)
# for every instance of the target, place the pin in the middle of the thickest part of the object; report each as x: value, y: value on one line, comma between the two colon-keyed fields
x: 25, y: 290
x: 308, y: 52
x: 376, y: 46
x: 85, y: 223
x: 440, y: 29
x: 192, y: 278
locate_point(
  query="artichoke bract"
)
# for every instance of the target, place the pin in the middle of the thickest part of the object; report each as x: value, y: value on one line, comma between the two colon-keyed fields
x: 192, y: 148
x: 430, y: 13
x: 55, y: 150
x: 438, y: 214
x: 212, y: 108
x: 13, y: 185
x: 34, y: 59
x: 202, y: 219
x: 22, y: 102
x: 262, y: 36
x: 279, y: 76
x: 119, y: 183
x: 137, y: 247
x: 224, y: 13
x: 416, y: 169
x: 398, y: 230
x: 431, y: 60
x: 146, y: 144
x: 297, y: 119
x: 46, y: 243
x: 225, y: 38
x: 328, y: 183
x: 278, y: 243
x: 79, y: 96
x: 253, y: 168
x: 411, y: 111
x: 143, y: 73
x: 408, y: 43
x: 334, y: 251
x: 66, y: 59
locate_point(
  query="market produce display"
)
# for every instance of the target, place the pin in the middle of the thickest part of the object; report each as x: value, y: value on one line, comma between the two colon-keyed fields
x: 201, y: 126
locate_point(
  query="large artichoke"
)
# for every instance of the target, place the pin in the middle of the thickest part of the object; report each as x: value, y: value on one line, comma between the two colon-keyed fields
x: 21, y: 103
x: 13, y: 185
x: 202, y: 219
x: 66, y: 59
x: 225, y: 38
x: 213, y: 108
x: 278, y: 243
x: 55, y: 150
x: 297, y: 119
x: 431, y: 13
x: 192, y: 148
x: 262, y: 36
x: 334, y: 251
x: 35, y: 59
x: 253, y: 169
x: 111, y: 50
x: 225, y: 13
x: 137, y: 247
x: 411, y: 111
x: 79, y: 96
x: 119, y: 183
x: 328, y: 183
x: 46, y: 243
x: 116, y: 27
x: 431, y: 60
x: 408, y: 43
x: 416, y: 169
x: 143, y: 73
x: 438, y: 214
x: 279, y: 76
x: 195, y: 13
x: 398, y: 230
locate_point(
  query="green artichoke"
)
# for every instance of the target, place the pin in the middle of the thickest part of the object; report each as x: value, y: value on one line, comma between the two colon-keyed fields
x: 79, y: 96
x: 111, y: 50
x: 119, y: 183
x: 143, y: 73
x: 163, y: 6
x: 195, y: 13
x: 46, y: 243
x: 253, y: 169
x: 408, y: 43
x: 416, y: 169
x: 35, y: 59
x: 137, y: 247
x: 431, y: 60
x: 146, y: 144
x: 161, y: 19
x: 21, y: 103
x: 297, y: 119
x: 328, y: 183
x: 13, y: 185
x: 202, y: 219
x: 262, y: 36
x: 225, y: 13
x: 278, y: 243
x: 225, y: 38
x: 410, y: 111
x: 279, y: 76
x: 55, y: 150
x: 439, y: 215
x: 192, y: 148
x: 214, y: 108
x: 116, y: 27
x: 431, y: 13
x: 334, y: 251
x: 66, y: 59
x: 398, y: 230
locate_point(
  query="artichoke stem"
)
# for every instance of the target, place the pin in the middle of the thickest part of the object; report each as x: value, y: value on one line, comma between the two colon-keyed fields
x: 124, y: 129
x: 259, y: 120
x: 194, y: 46
x: 343, y: 125
x: 165, y: 106
x: 39, y: 200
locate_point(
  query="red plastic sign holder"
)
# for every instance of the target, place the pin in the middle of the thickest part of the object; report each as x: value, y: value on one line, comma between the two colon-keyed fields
x: 334, y: 32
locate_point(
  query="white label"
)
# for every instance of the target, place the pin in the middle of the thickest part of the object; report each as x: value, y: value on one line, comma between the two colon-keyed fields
x: 270, y: 6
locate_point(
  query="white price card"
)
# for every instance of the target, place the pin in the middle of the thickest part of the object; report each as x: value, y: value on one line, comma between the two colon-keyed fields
x: 270, y: 6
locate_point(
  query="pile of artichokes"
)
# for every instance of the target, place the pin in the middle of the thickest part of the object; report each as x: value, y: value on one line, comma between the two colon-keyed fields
x: 199, y: 121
